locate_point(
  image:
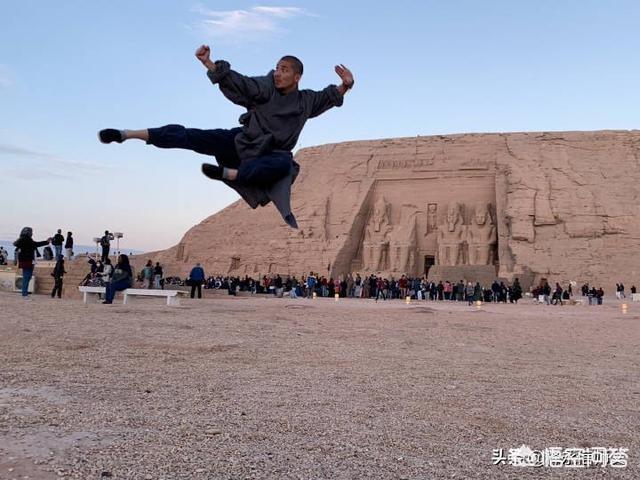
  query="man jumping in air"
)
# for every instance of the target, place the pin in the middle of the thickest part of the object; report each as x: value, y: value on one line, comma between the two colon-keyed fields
x: 254, y: 159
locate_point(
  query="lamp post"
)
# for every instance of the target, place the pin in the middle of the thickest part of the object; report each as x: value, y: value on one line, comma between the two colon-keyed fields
x: 97, y: 241
x: 118, y: 236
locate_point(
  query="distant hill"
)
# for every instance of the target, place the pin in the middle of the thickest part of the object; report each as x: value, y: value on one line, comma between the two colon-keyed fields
x: 77, y: 249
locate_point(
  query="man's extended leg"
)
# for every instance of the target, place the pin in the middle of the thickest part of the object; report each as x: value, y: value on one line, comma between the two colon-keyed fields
x: 219, y: 142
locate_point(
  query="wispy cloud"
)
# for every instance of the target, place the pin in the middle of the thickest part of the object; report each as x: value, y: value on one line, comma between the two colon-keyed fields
x: 24, y: 152
x: 257, y: 23
x: 36, y: 165
x: 6, y: 76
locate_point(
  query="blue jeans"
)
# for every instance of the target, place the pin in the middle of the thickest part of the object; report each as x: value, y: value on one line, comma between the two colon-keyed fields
x: 58, y: 249
x: 261, y: 172
x: 27, y: 273
x: 113, y: 287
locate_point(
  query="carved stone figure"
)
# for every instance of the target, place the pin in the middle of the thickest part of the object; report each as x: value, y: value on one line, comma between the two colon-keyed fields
x: 451, y: 237
x: 376, y: 241
x: 481, y: 236
x: 432, y: 218
x: 403, y: 241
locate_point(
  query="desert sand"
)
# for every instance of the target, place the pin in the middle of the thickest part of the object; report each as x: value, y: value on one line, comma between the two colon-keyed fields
x: 235, y: 388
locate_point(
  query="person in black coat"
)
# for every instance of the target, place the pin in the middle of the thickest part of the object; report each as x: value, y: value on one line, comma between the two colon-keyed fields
x: 57, y: 242
x: 26, y: 250
x: 68, y: 246
x: 57, y: 274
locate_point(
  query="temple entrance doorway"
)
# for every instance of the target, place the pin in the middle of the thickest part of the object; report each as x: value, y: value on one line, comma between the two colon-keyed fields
x: 429, y: 261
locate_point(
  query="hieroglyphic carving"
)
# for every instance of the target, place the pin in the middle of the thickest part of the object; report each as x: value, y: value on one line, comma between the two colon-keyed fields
x: 451, y: 237
x: 395, y: 163
x: 481, y: 236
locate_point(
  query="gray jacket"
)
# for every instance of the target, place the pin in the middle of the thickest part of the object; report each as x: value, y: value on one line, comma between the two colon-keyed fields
x: 273, y: 122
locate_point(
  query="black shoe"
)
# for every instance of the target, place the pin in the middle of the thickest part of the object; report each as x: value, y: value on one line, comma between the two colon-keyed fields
x: 106, y: 303
x: 109, y: 135
x: 212, y: 171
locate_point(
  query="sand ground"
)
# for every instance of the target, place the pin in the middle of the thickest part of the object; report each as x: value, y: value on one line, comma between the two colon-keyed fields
x: 230, y: 388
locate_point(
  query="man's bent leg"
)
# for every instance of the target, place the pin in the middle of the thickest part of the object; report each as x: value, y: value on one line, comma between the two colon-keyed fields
x: 266, y: 170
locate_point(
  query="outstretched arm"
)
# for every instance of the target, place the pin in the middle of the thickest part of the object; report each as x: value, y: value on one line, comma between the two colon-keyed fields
x: 347, y: 78
x: 240, y: 89
x: 331, y: 96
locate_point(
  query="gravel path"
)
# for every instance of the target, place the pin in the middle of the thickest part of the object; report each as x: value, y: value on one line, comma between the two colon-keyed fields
x: 271, y: 388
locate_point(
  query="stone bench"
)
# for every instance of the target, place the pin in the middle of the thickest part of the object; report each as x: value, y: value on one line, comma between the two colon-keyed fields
x: 171, y: 295
x: 86, y: 291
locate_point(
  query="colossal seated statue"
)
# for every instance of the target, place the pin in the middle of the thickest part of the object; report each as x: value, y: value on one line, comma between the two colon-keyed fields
x: 481, y: 236
x: 376, y: 238
x: 451, y: 237
x: 403, y: 241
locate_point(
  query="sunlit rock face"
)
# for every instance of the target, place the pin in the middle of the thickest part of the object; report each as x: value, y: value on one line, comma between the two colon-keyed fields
x: 559, y: 205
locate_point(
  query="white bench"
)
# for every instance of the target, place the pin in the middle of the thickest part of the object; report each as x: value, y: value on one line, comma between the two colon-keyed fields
x: 91, y: 291
x: 172, y: 295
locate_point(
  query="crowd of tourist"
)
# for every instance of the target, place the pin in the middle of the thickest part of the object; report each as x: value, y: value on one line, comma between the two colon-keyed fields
x: 102, y: 273
x: 382, y: 288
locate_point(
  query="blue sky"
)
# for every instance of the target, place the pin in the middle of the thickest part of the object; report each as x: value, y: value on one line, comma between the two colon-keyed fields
x: 70, y: 68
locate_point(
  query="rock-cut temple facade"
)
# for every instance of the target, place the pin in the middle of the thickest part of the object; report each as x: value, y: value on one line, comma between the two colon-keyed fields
x: 556, y: 205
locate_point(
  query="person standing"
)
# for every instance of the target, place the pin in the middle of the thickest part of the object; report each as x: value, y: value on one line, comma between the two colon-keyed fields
x: 105, y: 243
x: 68, y: 246
x: 157, y: 276
x: 147, y: 275
x: 311, y: 285
x: 196, y: 277
x: 58, y: 273
x: 469, y: 292
x: 26, y: 250
x: 58, y: 240
x: 380, y: 289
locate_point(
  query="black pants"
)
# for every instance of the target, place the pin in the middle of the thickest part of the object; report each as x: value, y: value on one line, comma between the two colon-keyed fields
x: 193, y: 289
x: 105, y: 254
x: 261, y: 171
x: 57, y: 287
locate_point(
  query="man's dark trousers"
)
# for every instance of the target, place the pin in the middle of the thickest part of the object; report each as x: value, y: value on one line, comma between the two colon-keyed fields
x: 261, y: 172
x: 196, y: 284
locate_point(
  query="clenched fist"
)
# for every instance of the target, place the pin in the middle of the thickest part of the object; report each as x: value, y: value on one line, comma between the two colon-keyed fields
x: 203, y: 53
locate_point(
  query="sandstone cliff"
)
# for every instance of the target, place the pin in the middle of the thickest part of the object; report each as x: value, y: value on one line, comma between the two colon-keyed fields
x: 562, y: 204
